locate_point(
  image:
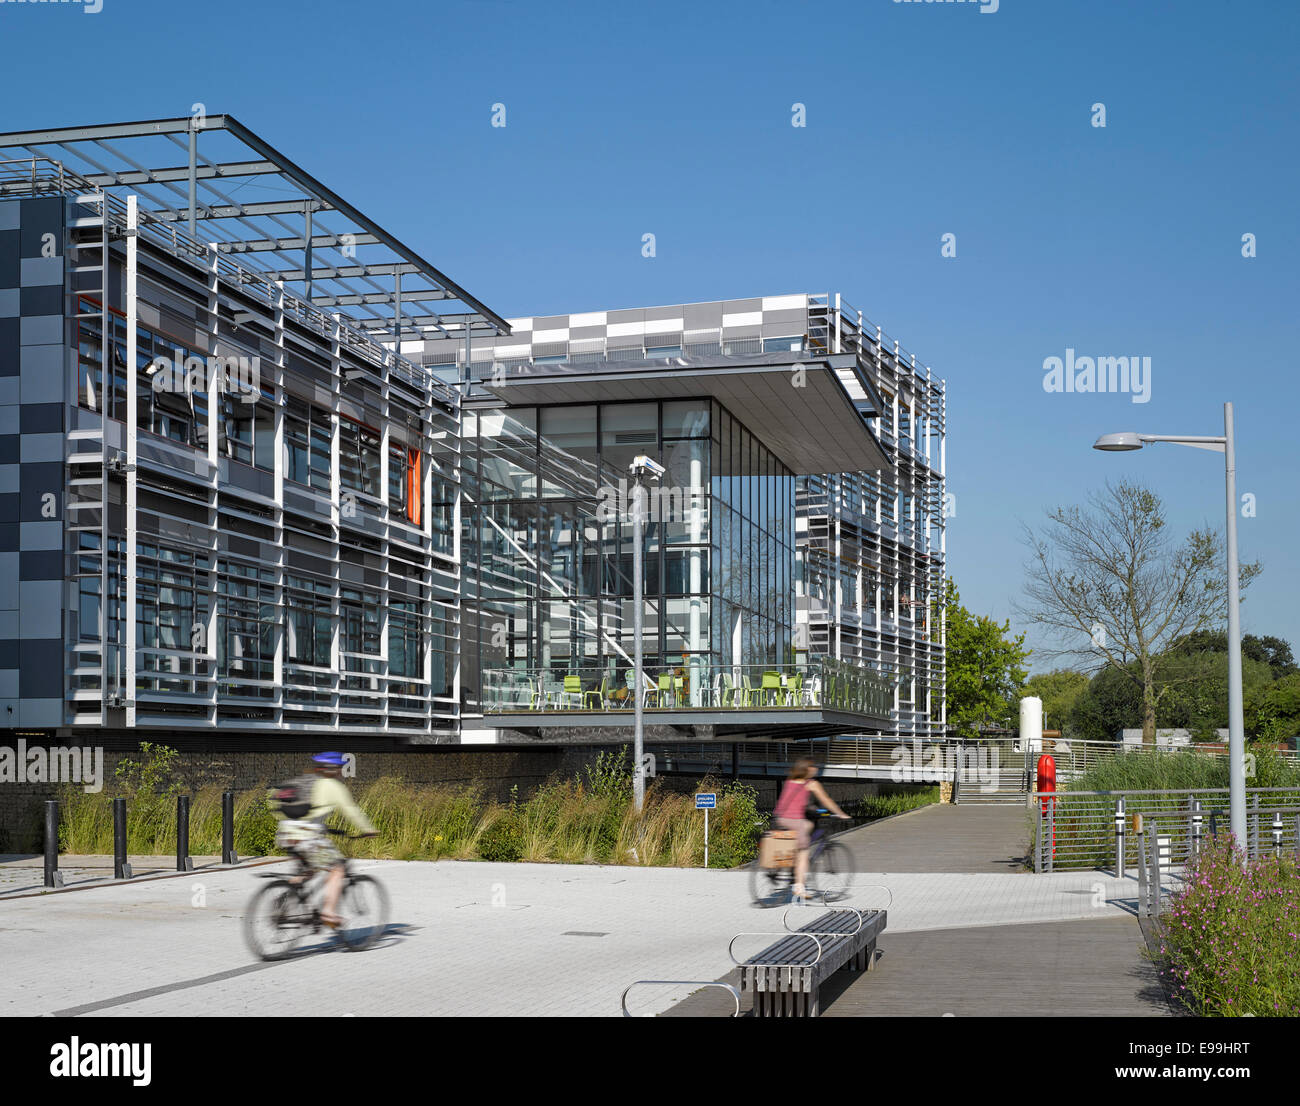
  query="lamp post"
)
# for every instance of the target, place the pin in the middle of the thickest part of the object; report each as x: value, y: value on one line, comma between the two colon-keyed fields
x: 640, y: 468
x: 1236, y: 724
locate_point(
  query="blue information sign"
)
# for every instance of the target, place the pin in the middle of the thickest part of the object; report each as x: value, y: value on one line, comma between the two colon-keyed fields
x: 706, y: 802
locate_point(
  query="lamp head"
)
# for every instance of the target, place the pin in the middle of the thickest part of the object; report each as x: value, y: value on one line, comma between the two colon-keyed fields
x: 1118, y: 443
x: 643, y: 466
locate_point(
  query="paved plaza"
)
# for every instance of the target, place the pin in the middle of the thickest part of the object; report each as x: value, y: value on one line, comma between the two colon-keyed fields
x: 497, y: 939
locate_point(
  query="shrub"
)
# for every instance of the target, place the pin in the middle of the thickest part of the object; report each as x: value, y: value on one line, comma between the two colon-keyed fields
x: 153, y: 774
x: 579, y: 820
x: 894, y: 801
x: 503, y: 837
x: 735, y: 827
x: 1232, y: 937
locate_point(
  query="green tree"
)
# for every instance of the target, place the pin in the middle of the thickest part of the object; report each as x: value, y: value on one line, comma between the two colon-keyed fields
x: 1113, y: 586
x: 1273, y: 712
x: 985, y: 666
x: 1112, y: 702
x: 1059, y: 690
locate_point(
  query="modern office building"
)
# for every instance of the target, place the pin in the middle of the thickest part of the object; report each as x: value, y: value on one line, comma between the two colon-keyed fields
x: 227, y: 503
x: 266, y: 470
x: 796, y: 536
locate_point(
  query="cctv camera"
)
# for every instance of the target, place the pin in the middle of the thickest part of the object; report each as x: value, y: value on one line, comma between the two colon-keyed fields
x: 647, y: 466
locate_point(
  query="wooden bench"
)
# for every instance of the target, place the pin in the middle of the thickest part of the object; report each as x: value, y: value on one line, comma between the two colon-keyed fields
x: 787, y: 975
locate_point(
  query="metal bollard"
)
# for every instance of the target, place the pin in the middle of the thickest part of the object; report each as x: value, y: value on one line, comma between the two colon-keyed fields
x: 1277, y: 834
x: 184, y: 862
x: 53, y: 877
x: 1121, y: 859
x: 121, y: 869
x: 1197, y: 820
x: 228, y: 828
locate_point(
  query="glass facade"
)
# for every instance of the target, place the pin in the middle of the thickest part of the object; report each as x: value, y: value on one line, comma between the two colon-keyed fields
x: 550, y: 555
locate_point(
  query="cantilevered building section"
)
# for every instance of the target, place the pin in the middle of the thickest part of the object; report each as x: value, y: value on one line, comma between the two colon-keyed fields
x: 788, y: 585
x: 872, y: 543
x: 228, y: 501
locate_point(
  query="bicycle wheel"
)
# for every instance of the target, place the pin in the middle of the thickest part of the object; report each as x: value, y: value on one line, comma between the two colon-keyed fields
x: 831, y: 873
x: 766, y: 884
x: 364, y: 907
x: 275, y: 921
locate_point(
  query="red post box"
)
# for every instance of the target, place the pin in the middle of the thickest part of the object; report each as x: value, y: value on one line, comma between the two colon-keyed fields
x: 1047, y: 782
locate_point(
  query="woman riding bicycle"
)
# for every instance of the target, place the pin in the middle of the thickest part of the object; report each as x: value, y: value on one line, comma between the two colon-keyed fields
x: 798, y: 792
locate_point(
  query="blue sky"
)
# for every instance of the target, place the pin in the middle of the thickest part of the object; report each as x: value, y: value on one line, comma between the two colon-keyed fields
x: 922, y: 120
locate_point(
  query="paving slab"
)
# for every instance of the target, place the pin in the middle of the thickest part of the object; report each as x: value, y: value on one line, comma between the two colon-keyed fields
x: 944, y: 838
x: 467, y: 938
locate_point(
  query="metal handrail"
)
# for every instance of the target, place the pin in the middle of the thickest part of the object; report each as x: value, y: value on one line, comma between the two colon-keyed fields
x: 677, y: 983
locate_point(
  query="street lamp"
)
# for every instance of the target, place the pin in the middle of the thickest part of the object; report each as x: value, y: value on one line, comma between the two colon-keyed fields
x: 641, y: 468
x: 1236, y: 725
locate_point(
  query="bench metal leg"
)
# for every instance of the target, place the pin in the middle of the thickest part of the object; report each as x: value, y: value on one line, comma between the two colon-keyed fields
x: 869, y: 954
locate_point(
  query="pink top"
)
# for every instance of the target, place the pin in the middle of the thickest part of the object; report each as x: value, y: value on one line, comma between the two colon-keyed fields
x: 793, y: 801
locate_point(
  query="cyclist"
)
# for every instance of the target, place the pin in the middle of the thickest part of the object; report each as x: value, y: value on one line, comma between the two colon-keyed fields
x: 307, y: 839
x: 799, y: 791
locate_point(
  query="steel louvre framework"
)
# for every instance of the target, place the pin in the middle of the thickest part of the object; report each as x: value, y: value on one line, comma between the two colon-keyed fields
x: 872, y: 545
x: 217, y: 181
x: 269, y: 540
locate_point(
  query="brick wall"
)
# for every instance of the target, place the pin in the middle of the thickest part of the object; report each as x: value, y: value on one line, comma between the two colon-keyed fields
x: 496, y: 771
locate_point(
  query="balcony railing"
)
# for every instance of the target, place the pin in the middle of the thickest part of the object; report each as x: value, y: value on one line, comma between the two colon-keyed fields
x: 698, y: 685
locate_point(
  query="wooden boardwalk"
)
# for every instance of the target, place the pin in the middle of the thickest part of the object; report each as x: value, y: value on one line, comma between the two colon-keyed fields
x: 944, y: 838
x: 1044, y: 970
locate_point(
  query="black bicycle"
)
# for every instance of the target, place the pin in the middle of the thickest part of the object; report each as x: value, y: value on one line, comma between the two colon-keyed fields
x: 830, y: 870
x: 284, y: 912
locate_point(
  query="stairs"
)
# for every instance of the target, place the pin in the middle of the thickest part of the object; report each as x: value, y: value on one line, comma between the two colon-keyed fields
x: 1004, y: 788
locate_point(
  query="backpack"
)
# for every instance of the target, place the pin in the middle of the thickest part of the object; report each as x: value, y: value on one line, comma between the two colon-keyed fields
x: 292, y: 798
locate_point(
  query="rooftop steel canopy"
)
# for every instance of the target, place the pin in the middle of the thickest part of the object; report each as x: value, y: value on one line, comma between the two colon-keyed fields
x: 256, y: 203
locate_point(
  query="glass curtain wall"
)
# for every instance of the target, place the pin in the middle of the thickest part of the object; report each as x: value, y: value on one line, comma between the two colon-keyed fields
x: 552, y: 542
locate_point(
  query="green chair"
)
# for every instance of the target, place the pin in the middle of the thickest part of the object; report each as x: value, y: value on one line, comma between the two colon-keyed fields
x: 727, y: 696
x: 770, y: 690
x: 572, y: 688
x: 601, y: 696
x: 794, y: 690
x: 665, y: 687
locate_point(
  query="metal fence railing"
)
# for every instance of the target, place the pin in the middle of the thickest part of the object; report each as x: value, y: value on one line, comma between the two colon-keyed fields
x: 822, y: 684
x: 1102, y: 829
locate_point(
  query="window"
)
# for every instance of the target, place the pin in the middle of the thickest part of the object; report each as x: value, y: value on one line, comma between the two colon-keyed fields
x: 406, y: 482
x: 358, y: 456
x: 309, y: 624
x: 307, y: 434
x: 248, y: 427
x: 360, y: 622
x: 405, y: 651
